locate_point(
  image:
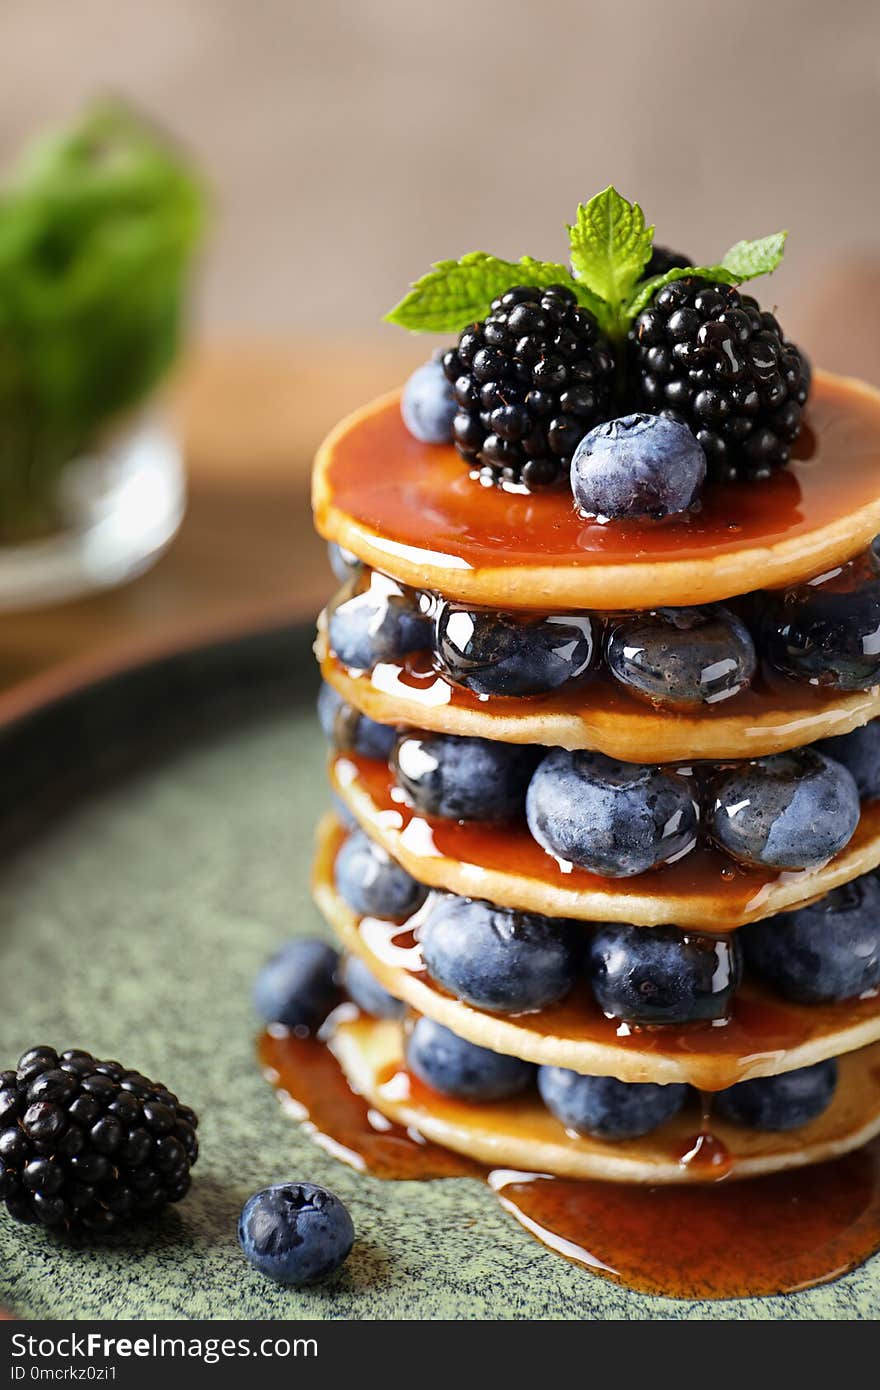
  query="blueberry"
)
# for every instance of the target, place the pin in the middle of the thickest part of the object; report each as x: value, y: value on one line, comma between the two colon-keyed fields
x: 639, y: 465
x: 828, y: 630
x: 464, y: 778
x: 793, y: 810
x: 606, y: 1108
x: 859, y: 751
x: 616, y: 819
x: 297, y: 986
x: 682, y: 656
x: 427, y: 404
x: 499, y: 654
x: 496, y: 958
x: 662, y: 974
x: 448, y: 1064
x: 382, y: 622
x: 364, y: 990
x: 295, y: 1233
x: 343, y: 563
x: 351, y: 731
x: 828, y: 950
x: 372, y: 883
x: 779, y: 1102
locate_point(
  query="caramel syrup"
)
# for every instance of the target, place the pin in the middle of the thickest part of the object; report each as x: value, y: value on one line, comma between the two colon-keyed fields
x: 736, y: 892
x: 713, y: 1240
x: 419, y: 500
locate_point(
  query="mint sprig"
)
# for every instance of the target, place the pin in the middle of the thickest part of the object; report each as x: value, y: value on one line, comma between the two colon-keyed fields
x: 609, y: 245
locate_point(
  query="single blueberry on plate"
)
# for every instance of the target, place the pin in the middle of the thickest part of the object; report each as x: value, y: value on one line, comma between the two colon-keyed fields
x: 362, y: 987
x: 859, y: 751
x: 382, y: 622
x: 298, y: 985
x: 682, y: 656
x: 349, y: 730
x: 615, y: 819
x: 497, y: 958
x: 779, y: 1102
x: 454, y: 1067
x: 637, y: 466
x: 499, y: 654
x: 826, y: 951
x: 428, y: 406
x: 828, y: 630
x: 372, y: 883
x: 295, y: 1233
x: 344, y: 564
x: 791, y: 810
x: 464, y: 778
x: 661, y: 974
x: 605, y: 1108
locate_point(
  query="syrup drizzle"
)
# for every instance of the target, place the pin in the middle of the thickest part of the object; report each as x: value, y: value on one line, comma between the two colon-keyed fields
x: 712, y: 1240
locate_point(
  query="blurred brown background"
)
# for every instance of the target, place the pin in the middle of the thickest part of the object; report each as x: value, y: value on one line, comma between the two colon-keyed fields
x: 350, y: 144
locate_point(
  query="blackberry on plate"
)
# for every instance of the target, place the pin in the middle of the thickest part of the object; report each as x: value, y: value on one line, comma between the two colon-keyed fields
x: 90, y: 1146
x: 529, y: 380
x: 708, y: 356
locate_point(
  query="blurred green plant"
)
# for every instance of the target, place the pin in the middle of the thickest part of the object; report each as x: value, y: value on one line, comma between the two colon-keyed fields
x: 98, y: 226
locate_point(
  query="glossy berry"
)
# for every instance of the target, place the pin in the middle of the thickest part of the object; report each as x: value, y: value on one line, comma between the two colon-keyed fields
x: 381, y: 622
x: 707, y: 356
x: 90, y: 1146
x: 529, y: 381
x: 497, y: 958
x: 662, y: 260
x: 344, y: 564
x: 464, y: 778
x: 859, y: 752
x: 349, y: 730
x: 605, y: 1108
x: 827, y: 631
x: 682, y: 656
x: 792, y: 810
x: 298, y: 986
x: 499, y: 654
x: 615, y: 819
x: 663, y: 975
x: 296, y: 1233
x: 779, y: 1102
x: 454, y: 1067
x: 826, y: 951
x: 363, y: 989
x: 637, y: 466
x: 428, y: 405
x: 372, y: 883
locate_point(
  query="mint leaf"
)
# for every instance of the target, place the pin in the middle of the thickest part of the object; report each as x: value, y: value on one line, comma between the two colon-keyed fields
x: 610, y: 246
x: 747, y: 259
x: 455, y: 293
x: 744, y: 261
x: 648, y: 288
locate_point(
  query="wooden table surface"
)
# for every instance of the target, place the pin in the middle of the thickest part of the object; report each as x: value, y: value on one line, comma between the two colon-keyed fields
x: 246, y: 555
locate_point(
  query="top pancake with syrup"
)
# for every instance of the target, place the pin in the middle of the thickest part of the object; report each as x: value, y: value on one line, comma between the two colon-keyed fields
x: 413, y: 511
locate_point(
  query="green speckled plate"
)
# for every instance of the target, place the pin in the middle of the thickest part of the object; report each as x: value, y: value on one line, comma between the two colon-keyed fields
x: 157, y: 831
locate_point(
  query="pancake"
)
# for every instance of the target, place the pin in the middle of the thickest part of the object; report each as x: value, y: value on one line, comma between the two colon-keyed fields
x: 412, y: 511
x: 765, y: 1034
x: 504, y: 864
x: 521, y: 1134
x: 602, y: 715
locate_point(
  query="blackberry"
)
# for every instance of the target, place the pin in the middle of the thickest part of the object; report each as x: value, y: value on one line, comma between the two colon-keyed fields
x: 662, y: 259
x: 89, y: 1146
x: 708, y: 356
x: 529, y: 381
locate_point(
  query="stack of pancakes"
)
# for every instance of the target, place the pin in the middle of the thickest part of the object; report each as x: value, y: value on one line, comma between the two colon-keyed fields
x: 410, y: 511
